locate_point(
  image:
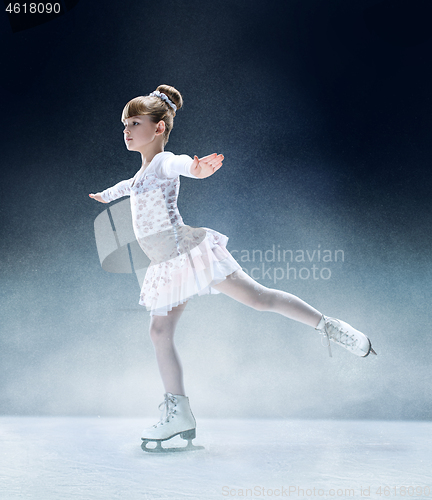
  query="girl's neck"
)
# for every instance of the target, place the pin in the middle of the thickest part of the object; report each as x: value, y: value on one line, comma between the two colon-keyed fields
x: 147, y: 157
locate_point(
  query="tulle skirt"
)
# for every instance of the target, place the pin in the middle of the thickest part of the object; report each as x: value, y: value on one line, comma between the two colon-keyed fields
x: 172, y: 282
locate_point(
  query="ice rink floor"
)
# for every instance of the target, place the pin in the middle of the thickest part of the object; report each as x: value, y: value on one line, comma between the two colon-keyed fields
x: 51, y: 458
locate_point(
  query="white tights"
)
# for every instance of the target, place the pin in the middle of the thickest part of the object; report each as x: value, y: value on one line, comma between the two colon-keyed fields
x: 241, y: 287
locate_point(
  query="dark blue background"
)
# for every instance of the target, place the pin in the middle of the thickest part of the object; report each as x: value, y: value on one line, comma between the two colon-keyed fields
x: 322, y: 110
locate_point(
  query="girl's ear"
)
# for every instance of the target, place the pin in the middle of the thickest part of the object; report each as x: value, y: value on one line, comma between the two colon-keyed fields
x: 161, y: 126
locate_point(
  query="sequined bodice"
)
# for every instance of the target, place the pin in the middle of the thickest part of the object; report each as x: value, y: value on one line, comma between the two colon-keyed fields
x: 154, y: 204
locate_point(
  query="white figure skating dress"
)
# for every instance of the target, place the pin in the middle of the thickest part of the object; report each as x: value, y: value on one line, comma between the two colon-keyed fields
x: 184, y: 260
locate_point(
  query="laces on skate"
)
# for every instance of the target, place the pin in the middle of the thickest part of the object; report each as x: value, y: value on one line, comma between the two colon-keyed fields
x: 168, y: 410
x: 345, y: 335
x: 325, y: 334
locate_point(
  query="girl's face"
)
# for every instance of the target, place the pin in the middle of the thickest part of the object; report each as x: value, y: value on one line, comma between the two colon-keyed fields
x: 139, y: 131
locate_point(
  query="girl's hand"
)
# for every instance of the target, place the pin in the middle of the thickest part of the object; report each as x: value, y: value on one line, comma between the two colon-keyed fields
x: 207, y: 165
x: 97, y: 197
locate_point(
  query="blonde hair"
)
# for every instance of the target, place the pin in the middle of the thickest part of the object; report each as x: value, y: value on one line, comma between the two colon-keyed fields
x: 156, y: 108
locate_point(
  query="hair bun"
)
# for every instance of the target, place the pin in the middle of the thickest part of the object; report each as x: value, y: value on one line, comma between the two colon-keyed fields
x: 173, y: 94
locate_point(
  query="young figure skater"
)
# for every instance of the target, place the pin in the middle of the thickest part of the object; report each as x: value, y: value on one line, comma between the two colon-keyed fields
x: 188, y: 261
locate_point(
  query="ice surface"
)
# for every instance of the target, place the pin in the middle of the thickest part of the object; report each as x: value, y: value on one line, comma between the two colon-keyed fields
x: 54, y: 458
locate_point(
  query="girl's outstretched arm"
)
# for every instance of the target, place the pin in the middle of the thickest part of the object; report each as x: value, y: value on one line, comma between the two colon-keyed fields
x: 122, y: 188
x: 97, y: 197
x: 206, y: 166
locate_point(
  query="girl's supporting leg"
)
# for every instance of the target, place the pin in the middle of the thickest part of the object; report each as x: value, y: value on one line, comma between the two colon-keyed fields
x: 162, y: 330
x: 241, y: 287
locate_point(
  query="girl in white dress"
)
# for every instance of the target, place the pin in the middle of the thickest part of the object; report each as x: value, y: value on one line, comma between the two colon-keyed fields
x: 186, y: 261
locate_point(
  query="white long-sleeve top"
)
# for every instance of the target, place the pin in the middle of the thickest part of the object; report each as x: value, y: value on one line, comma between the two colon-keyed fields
x: 163, y: 165
x: 153, y: 194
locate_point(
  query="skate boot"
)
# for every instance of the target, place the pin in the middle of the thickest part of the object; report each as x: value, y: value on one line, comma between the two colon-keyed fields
x: 345, y: 335
x: 176, y: 419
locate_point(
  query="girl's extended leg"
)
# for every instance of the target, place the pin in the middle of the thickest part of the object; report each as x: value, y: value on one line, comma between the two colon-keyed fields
x: 162, y: 330
x: 241, y: 287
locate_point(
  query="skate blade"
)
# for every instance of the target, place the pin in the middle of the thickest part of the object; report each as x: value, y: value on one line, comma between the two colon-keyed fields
x: 186, y: 435
x: 370, y: 350
x: 160, y: 449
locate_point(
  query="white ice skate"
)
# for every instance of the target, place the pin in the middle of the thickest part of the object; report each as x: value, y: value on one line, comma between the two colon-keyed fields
x: 345, y: 335
x: 177, y: 418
